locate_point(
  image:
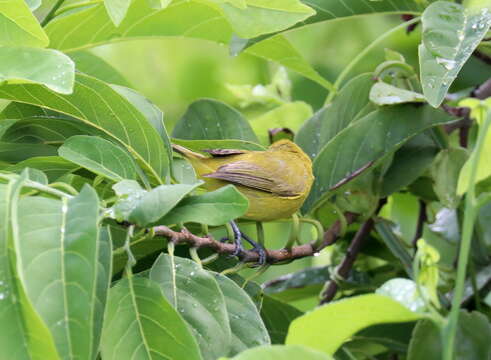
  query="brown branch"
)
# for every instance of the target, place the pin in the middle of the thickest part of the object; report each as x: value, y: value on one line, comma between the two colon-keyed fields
x: 249, y: 256
x: 483, y: 91
x: 348, y: 261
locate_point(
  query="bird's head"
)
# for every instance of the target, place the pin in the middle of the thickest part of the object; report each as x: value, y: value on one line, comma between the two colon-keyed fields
x: 290, y: 146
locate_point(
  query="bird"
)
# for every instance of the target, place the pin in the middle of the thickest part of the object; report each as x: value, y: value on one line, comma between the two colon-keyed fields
x: 276, y: 181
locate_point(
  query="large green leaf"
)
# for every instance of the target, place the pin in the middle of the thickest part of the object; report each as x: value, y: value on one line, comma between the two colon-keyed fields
x: 23, y: 335
x: 451, y: 33
x: 213, y: 208
x: 53, y: 166
x: 117, y: 9
x: 366, y: 141
x: 258, y: 17
x: 19, y: 26
x: 99, y: 156
x: 329, y: 121
x: 196, y: 295
x: 200, y: 145
x: 141, y: 324
x: 15, y: 152
x: 340, y: 320
x: 48, y: 67
x: 58, y: 261
x: 277, y: 317
x: 93, y: 65
x: 98, y: 105
x: 208, y: 119
x: 194, y: 19
x: 248, y: 329
x: 289, y: 352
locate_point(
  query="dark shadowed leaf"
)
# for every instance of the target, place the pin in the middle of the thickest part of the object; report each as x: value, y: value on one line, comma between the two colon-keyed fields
x: 195, y: 294
x: 99, y: 156
x: 364, y: 142
x: 15, y: 152
x: 277, y: 317
x: 141, y: 324
x: 52, y: 166
x: 208, y: 119
x: 213, y: 208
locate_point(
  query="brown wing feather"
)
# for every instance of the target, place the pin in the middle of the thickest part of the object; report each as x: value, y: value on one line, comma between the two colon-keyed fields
x: 249, y: 175
x: 223, y: 152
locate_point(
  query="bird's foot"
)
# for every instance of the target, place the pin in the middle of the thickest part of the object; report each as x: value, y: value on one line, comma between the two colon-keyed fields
x: 258, y: 248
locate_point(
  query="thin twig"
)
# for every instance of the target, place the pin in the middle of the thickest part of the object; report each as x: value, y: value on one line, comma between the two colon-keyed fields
x: 348, y: 261
x: 483, y: 91
x: 250, y: 256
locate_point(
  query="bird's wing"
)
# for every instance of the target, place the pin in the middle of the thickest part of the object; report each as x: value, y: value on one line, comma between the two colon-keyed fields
x: 250, y: 175
x: 224, y: 152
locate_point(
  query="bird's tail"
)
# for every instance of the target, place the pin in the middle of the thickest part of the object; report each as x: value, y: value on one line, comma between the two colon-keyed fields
x: 186, y: 152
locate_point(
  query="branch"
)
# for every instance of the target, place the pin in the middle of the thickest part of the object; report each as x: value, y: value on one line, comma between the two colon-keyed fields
x: 249, y: 256
x: 348, y: 261
x: 483, y: 91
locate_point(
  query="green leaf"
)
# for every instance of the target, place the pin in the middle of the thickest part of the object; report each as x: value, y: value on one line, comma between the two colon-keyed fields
x: 329, y: 121
x: 395, y: 244
x: 33, y: 4
x: 48, y: 67
x: 93, y: 65
x: 340, y: 320
x: 289, y: 352
x: 473, y: 333
x: 290, y: 115
x: 445, y: 172
x: 183, y: 172
x: 366, y: 141
x: 141, y: 324
x: 52, y: 166
x: 386, y: 94
x: 277, y: 317
x: 145, y: 207
x: 19, y: 26
x: 117, y: 9
x: 248, y: 329
x: 200, y: 145
x: 409, y: 163
x: 99, y: 156
x: 451, y: 33
x: 23, y: 335
x: 213, y: 208
x: 108, y: 112
x: 404, y: 291
x: 14, y: 152
x: 195, y: 293
x: 264, y: 16
x: 6, y: 124
x: 208, y: 119
x: 60, y: 266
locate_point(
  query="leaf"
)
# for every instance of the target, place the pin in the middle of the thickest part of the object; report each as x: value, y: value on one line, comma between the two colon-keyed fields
x: 404, y: 291
x: 200, y: 145
x: 33, y: 4
x: 52, y: 166
x: 93, y: 65
x: 340, y: 320
x: 23, y: 335
x: 451, y: 33
x: 213, y: 208
x: 59, y: 267
x: 248, y: 329
x: 141, y: 324
x: 99, y: 156
x: 473, y: 333
x: 183, y: 172
x: 289, y: 352
x: 277, y: 317
x: 108, y: 112
x: 366, y: 141
x: 264, y: 16
x: 6, y: 124
x: 386, y: 94
x: 197, y: 20
x: 329, y: 121
x: 290, y: 115
x: 48, y: 67
x: 208, y: 119
x: 280, y: 50
x: 117, y: 9
x: 195, y: 293
x: 19, y: 26
x: 409, y: 163
x: 14, y: 152
x: 146, y: 207
x: 445, y: 172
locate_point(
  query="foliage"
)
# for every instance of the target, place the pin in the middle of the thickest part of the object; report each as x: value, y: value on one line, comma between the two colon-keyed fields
x: 393, y: 239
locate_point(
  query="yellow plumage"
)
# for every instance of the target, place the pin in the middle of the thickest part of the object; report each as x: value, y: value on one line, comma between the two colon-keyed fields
x: 275, y: 181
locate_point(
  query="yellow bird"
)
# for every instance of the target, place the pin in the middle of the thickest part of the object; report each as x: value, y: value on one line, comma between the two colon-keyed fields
x: 275, y: 181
